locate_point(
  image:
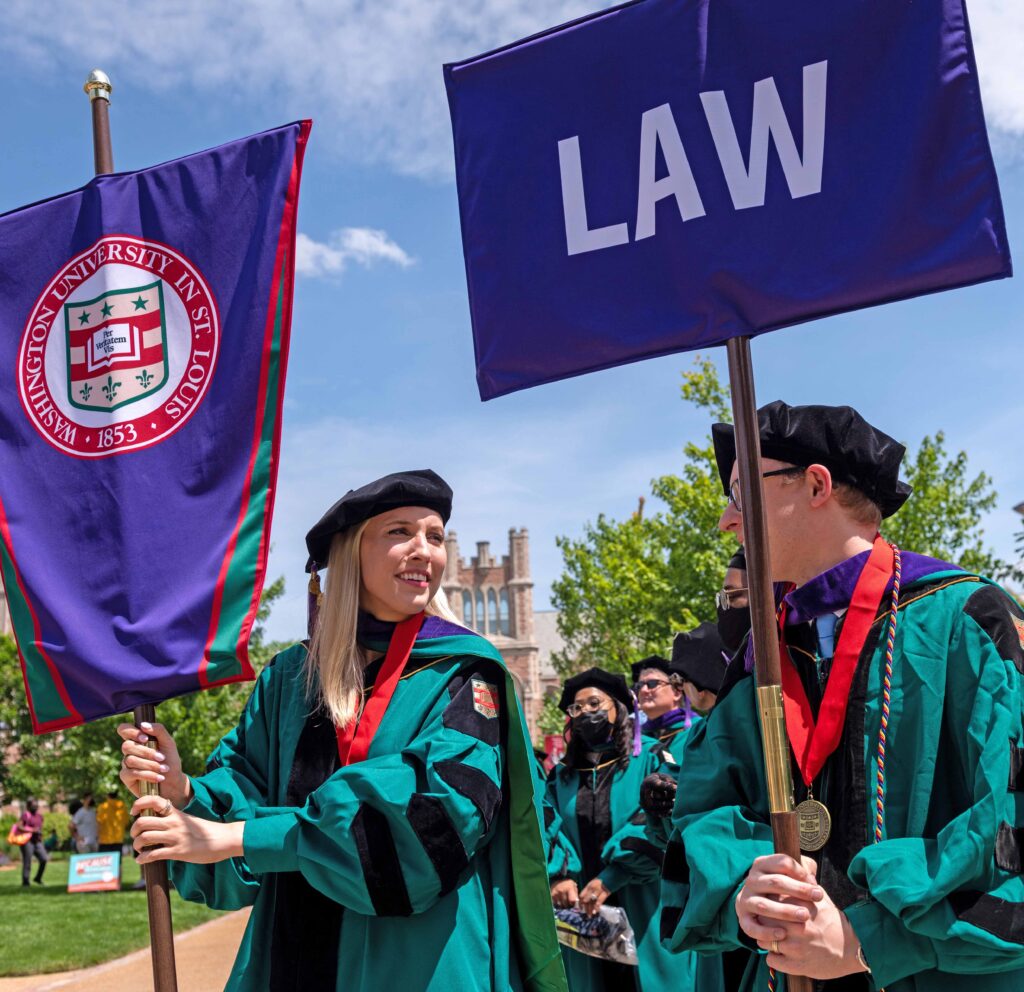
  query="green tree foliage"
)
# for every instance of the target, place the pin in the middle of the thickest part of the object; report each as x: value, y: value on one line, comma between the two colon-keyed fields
x: 627, y: 586
x: 86, y: 759
x: 943, y: 516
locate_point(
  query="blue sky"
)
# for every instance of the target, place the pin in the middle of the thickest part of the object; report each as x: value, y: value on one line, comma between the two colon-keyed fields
x: 381, y: 374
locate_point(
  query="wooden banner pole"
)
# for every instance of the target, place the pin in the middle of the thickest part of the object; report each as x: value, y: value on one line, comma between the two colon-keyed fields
x: 158, y: 895
x: 762, y: 613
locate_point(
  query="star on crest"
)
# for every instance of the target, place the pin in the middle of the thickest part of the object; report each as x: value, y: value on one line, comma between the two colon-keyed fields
x: 140, y: 303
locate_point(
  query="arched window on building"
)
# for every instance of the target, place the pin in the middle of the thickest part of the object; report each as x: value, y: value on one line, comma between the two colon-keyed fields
x: 481, y: 615
x: 492, y: 611
x: 506, y: 627
x: 467, y: 609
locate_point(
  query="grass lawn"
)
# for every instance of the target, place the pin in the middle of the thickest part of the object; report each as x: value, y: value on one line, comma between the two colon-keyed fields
x: 46, y: 928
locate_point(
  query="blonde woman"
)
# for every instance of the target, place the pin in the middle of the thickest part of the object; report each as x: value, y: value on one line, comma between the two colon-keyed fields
x: 375, y: 804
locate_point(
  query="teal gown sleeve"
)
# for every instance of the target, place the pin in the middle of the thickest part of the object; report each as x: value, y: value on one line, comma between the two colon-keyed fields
x: 562, y: 859
x: 720, y: 825
x: 948, y: 900
x: 392, y: 834
x: 630, y: 856
x: 234, y: 785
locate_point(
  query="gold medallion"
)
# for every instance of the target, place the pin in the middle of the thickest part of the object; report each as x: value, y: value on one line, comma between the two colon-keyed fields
x: 814, y: 824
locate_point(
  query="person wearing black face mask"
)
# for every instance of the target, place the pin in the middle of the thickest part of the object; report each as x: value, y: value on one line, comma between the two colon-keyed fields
x: 595, y: 791
x: 733, y: 605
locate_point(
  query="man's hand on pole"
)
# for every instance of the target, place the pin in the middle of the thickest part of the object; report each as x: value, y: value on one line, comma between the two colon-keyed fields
x: 782, y: 907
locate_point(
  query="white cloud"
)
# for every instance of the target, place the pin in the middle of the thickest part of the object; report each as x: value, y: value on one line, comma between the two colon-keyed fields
x: 997, y: 27
x: 368, y: 70
x: 362, y: 245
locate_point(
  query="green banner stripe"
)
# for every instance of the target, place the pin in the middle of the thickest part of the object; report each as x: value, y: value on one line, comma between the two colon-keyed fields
x: 241, y: 576
x: 46, y: 702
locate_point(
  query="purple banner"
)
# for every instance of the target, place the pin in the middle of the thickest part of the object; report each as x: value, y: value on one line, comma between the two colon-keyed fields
x: 144, y: 325
x: 667, y: 174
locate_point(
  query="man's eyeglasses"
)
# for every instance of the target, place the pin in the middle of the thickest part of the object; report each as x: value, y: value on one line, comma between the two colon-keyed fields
x: 734, y: 489
x: 723, y: 598
x: 651, y: 684
x: 592, y: 705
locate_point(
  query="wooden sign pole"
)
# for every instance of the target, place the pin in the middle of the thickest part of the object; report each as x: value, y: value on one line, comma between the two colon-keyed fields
x: 763, y: 630
x: 158, y: 894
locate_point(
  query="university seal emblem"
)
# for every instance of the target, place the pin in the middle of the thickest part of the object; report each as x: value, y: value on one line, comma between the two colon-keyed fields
x: 119, y: 349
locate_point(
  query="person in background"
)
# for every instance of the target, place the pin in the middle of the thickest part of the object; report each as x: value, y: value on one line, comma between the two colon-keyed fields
x: 84, y: 828
x: 595, y: 793
x: 112, y: 820
x: 698, y: 661
x: 660, y: 696
x: 31, y: 822
x: 697, y: 666
x: 733, y: 605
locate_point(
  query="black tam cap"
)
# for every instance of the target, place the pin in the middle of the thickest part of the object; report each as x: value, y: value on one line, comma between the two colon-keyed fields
x: 421, y: 487
x: 697, y: 657
x: 837, y: 437
x: 654, y: 661
x: 596, y: 678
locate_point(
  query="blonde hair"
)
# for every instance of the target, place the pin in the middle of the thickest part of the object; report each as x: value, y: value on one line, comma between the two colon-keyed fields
x: 334, y: 674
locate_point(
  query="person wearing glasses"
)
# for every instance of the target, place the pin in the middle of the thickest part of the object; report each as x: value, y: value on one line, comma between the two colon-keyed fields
x: 903, y: 688
x: 733, y: 606
x: 595, y: 791
x: 660, y: 695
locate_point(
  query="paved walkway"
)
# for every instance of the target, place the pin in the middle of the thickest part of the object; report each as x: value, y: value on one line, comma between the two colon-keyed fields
x: 204, y: 957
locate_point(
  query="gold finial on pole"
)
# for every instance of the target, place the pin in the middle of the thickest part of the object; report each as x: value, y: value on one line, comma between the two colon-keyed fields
x: 98, y: 85
x: 99, y: 88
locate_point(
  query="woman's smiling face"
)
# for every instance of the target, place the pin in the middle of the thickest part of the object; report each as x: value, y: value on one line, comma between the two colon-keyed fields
x: 402, y: 556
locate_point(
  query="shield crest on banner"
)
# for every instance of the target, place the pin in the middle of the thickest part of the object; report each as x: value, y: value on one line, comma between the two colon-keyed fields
x: 116, y: 347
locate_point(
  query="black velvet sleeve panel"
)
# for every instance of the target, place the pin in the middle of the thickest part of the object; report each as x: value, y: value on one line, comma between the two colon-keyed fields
x: 643, y: 847
x: 436, y: 832
x: 477, y: 787
x: 997, y: 916
x: 675, y: 867
x: 1008, y: 848
x: 382, y: 869
x: 477, y: 704
x: 1002, y: 619
x: 1016, y: 768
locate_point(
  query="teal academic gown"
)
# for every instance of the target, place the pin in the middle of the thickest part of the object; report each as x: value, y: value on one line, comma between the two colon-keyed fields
x: 630, y: 867
x: 938, y: 904
x: 431, y: 845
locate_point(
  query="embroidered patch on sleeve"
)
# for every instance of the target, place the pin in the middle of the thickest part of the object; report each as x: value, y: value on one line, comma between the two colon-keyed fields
x: 485, y: 699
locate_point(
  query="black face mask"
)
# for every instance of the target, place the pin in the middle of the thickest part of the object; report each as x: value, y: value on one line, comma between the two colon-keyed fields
x: 592, y: 728
x: 733, y: 625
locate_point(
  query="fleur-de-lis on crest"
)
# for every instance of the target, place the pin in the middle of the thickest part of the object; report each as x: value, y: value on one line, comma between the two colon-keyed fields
x: 145, y: 379
x: 111, y: 388
x: 86, y: 392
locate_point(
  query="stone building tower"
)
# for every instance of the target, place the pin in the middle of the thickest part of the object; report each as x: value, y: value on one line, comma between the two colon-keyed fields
x: 495, y: 598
